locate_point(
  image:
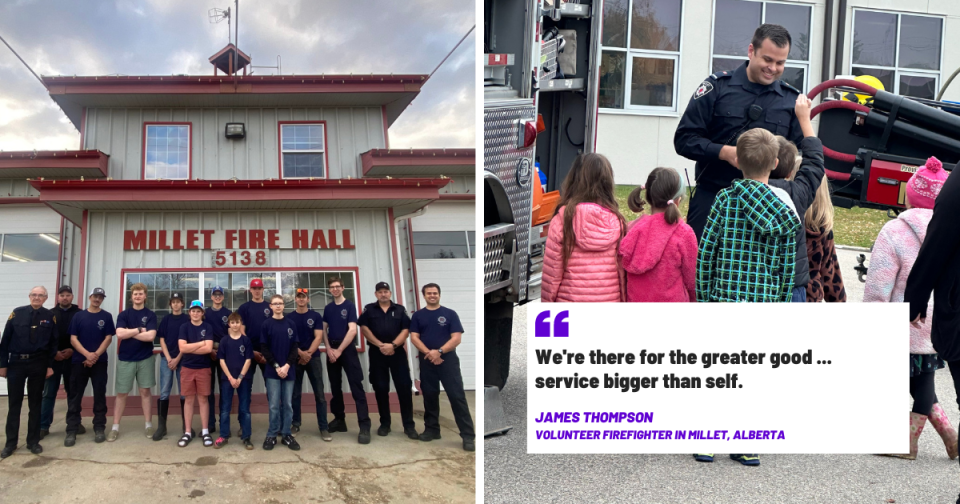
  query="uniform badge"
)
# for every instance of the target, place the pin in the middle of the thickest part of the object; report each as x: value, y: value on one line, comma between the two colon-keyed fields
x: 224, y: 319
x: 144, y: 320
x: 12, y: 314
x: 310, y: 323
x: 704, y: 88
x: 289, y: 333
x: 203, y: 333
x: 100, y: 324
x: 442, y: 320
x: 266, y: 311
x: 242, y: 349
x: 343, y: 313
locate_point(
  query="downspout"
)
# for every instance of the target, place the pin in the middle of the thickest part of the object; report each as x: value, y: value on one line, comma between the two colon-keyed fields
x: 410, y: 355
x: 841, y: 35
x: 827, y: 43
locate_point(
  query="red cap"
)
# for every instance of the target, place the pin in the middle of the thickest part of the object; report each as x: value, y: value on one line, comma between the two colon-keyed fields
x: 256, y: 282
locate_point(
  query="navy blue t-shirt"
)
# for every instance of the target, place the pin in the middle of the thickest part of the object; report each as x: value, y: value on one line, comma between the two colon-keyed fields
x: 253, y: 315
x: 196, y: 334
x: 306, y: 323
x: 279, y: 336
x: 218, y: 319
x: 132, y: 349
x: 169, y: 330
x: 235, y: 352
x: 435, y: 326
x: 91, y: 329
x: 338, y: 318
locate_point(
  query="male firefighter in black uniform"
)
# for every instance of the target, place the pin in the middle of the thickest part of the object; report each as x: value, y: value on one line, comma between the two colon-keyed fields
x: 27, y: 349
x: 727, y: 104
x: 63, y: 364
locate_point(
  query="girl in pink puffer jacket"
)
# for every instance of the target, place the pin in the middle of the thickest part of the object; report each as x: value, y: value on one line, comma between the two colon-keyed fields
x: 580, y: 259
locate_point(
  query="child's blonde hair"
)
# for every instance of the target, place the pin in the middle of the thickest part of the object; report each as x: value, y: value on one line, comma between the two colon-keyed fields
x: 819, y: 217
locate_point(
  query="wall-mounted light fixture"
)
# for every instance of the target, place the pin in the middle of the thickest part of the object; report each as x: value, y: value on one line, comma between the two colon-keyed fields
x: 235, y: 131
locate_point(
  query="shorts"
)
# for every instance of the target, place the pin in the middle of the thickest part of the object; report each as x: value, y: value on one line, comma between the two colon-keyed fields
x: 145, y: 372
x: 194, y: 381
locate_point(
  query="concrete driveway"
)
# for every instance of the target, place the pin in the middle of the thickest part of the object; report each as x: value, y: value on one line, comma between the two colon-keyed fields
x: 510, y: 475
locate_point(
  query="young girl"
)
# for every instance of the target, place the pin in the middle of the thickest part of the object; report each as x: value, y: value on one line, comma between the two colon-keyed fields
x: 659, y: 253
x: 826, y: 283
x: 580, y: 261
x: 894, y: 254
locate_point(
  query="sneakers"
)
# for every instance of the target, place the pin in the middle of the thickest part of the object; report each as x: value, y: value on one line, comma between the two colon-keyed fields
x: 429, y: 436
x: 383, y: 430
x: 70, y: 440
x: 101, y: 436
x: 325, y: 435
x: 35, y: 449
x: 703, y: 457
x: 364, y: 437
x: 81, y: 430
x: 7, y: 451
x: 149, y: 432
x: 44, y: 433
x: 338, y: 425
x: 751, y: 459
x: 295, y: 428
x: 269, y: 442
x: 411, y: 433
x: 114, y: 434
x: 222, y: 441
x: 469, y: 445
x: 247, y: 444
x: 290, y: 442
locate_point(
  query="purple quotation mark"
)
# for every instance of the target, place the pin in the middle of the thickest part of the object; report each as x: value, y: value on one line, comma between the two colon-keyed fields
x: 561, y: 328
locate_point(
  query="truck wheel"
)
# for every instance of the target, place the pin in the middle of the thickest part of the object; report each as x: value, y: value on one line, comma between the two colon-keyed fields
x: 498, y: 331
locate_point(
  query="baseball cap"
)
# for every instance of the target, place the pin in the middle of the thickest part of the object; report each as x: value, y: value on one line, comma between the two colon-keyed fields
x: 176, y: 295
x: 382, y: 286
x: 98, y: 291
x: 256, y: 282
x: 216, y: 289
x: 196, y: 304
x: 64, y: 288
x: 303, y: 291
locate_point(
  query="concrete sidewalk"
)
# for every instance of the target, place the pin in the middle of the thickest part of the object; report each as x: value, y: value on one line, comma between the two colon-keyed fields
x: 391, y: 469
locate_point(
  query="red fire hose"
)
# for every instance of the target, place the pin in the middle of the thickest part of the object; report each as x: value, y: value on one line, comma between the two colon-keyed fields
x: 834, y: 104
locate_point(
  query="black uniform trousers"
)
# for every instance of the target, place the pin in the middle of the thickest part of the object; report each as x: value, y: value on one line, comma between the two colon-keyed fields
x: 30, y: 374
x: 699, y: 209
x: 80, y: 376
x: 349, y: 362
x: 216, y: 374
x: 381, y: 368
x: 447, y: 373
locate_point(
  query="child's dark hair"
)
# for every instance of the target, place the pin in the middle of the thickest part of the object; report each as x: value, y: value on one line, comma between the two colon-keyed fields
x: 663, y: 187
x: 635, y: 200
x: 787, y: 156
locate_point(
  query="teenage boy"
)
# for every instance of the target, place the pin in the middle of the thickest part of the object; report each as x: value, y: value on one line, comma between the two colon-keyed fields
x: 136, y: 331
x: 386, y: 326
x: 436, y: 332
x: 254, y: 313
x: 278, y: 342
x: 309, y: 336
x: 169, y: 332
x: 216, y: 316
x: 64, y: 312
x: 196, y: 341
x: 339, y: 329
x: 90, y: 333
x: 235, y: 354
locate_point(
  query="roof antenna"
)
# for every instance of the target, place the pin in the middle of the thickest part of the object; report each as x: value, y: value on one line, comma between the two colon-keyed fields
x: 24, y: 62
x: 216, y: 15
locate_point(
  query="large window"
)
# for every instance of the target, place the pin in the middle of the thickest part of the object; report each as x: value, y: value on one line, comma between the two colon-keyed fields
x: 30, y: 247
x: 166, y: 151
x: 443, y: 244
x: 640, y: 62
x: 236, y: 288
x: 903, y: 51
x: 736, y: 20
x: 303, y: 150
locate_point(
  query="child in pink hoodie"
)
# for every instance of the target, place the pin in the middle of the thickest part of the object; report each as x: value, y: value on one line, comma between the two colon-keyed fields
x: 580, y: 260
x: 893, y: 256
x: 659, y: 252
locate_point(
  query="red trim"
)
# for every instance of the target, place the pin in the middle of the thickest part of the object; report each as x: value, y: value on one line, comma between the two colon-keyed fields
x: 83, y: 125
x: 458, y: 197
x: 20, y: 201
x: 417, y: 157
x: 386, y: 136
x: 81, y: 300
x: 227, y: 48
x: 209, y: 84
x: 413, y: 263
x: 91, y: 159
x: 355, y: 269
x: 143, y: 147
x: 60, y: 256
x: 326, y: 150
x: 395, y: 253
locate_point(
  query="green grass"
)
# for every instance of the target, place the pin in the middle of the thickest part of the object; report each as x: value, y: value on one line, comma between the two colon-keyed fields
x: 856, y: 226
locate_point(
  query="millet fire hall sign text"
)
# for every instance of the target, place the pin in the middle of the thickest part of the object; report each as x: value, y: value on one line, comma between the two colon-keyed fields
x: 205, y: 239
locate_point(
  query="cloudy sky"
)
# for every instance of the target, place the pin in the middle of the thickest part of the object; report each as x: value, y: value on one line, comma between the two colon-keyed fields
x: 164, y: 37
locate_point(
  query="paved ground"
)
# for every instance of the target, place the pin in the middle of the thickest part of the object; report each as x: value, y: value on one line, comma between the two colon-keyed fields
x: 509, y: 472
x: 390, y: 469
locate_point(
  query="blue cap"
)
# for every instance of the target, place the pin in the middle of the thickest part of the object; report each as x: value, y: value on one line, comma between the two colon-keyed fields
x: 196, y: 304
x: 216, y: 289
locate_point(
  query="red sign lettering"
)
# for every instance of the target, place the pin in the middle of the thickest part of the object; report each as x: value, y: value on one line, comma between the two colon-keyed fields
x: 134, y: 240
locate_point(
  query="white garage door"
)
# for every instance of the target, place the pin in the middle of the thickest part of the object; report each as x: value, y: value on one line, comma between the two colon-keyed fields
x: 21, y: 228
x: 442, y: 244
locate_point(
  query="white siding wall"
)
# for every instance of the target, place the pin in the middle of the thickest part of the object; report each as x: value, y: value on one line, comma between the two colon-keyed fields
x: 461, y: 184
x: 16, y: 188
x: 119, y: 133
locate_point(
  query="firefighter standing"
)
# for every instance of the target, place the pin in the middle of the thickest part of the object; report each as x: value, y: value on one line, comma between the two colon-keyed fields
x: 27, y: 349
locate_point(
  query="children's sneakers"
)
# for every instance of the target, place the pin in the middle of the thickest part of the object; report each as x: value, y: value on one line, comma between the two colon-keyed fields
x: 703, y: 457
x: 220, y: 442
x: 290, y: 442
x: 269, y: 442
x: 751, y: 459
x: 247, y: 444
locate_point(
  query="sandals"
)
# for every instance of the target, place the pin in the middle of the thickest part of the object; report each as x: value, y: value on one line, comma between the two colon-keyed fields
x: 185, y: 439
x: 207, y: 440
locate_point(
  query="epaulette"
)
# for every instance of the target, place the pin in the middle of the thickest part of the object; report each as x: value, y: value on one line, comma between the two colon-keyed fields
x: 720, y: 75
x: 788, y: 86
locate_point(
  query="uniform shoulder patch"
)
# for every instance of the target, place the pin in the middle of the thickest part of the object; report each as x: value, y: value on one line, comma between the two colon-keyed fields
x: 786, y: 85
x: 721, y: 75
x: 12, y: 314
x: 703, y: 90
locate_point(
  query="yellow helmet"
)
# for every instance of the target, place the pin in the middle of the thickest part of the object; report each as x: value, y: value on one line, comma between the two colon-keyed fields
x: 862, y: 99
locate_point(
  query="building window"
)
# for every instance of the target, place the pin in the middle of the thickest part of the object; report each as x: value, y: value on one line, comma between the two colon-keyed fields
x: 903, y: 51
x: 735, y: 21
x: 303, y: 150
x: 443, y: 244
x: 30, y: 247
x: 166, y: 151
x: 236, y: 289
x: 640, y: 58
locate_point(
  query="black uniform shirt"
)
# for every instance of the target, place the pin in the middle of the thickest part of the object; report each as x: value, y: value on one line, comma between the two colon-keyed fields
x: 63, y: 325
x: 29, y: 331
x: 385, y: 326
x: 719, y: 112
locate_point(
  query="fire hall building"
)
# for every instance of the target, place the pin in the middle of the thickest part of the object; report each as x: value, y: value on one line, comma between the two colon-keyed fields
x: 188, y: 182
